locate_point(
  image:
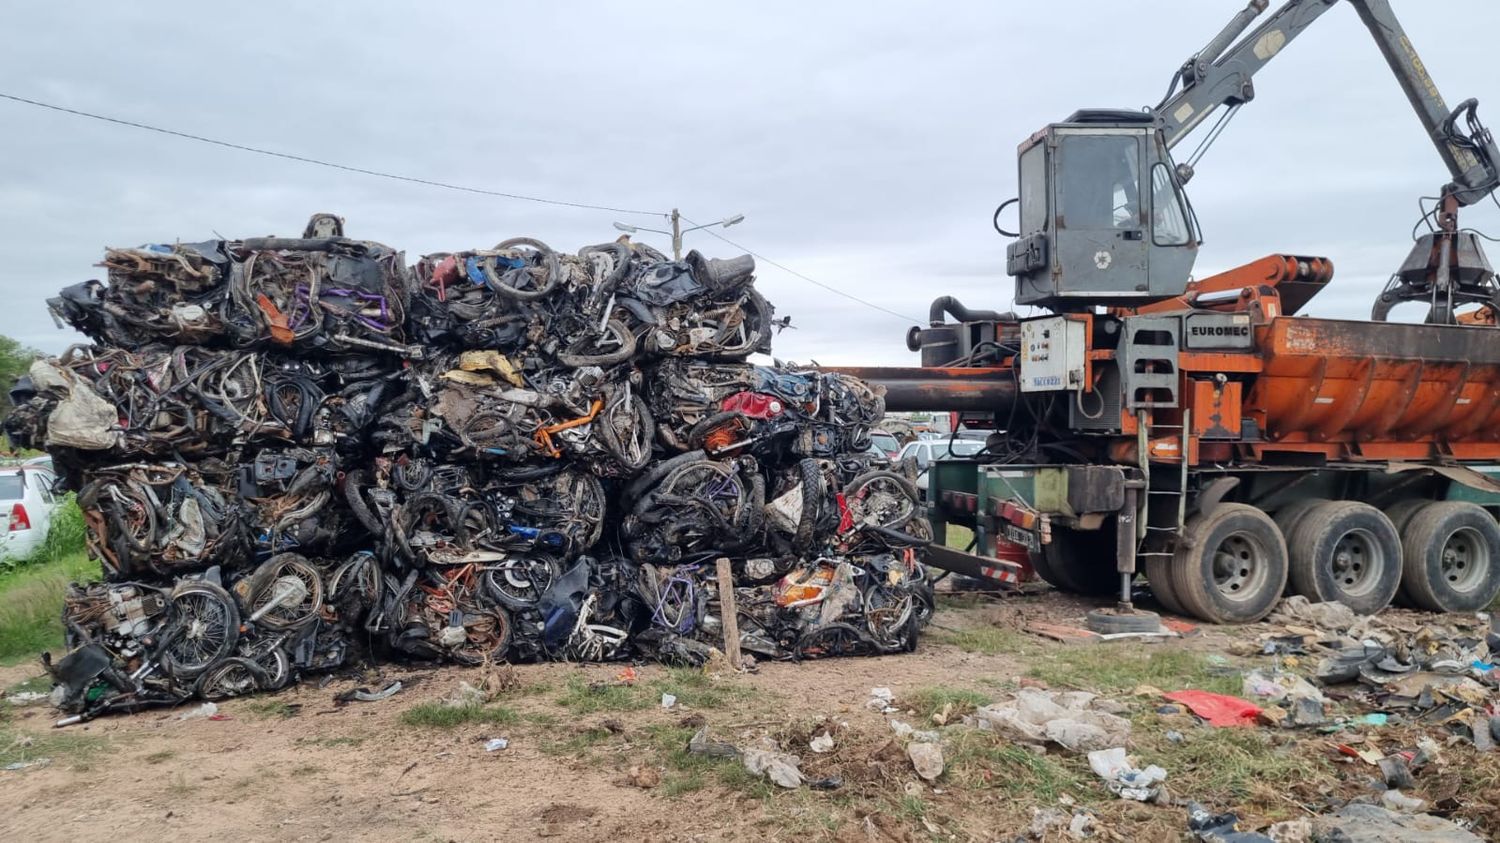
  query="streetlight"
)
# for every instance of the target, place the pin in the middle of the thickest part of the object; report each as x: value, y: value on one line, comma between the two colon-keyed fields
x: 677, y: 229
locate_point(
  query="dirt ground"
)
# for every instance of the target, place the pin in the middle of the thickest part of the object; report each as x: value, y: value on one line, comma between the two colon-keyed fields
x: 591, y: 758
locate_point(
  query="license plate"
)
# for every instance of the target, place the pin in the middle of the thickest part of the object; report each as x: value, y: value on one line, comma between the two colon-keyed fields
x: 1024, y: 538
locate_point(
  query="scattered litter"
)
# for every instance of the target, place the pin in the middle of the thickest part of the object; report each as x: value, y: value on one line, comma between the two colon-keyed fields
x: 1067, y: 718
x: 15, y: 766
x: 822, y: 743
x: 779, y: 767
x: 926, y: 759
x: 202, y: 712
x: 1361, y: 823
x: 1219, y: 828
x: 1397, y: 801
x: 366, y: 695
x: 1123, y: 778
x: 1217, y: 709
x: 701, y: 744
x: 881, y: 700
x: 1297, y: 610
x: 27, y: 698
x: 668, y: 700
x: 628, y: 676
x: 496, y: 744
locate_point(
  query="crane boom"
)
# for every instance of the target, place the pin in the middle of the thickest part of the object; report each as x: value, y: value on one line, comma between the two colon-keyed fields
x: 1221, y: 74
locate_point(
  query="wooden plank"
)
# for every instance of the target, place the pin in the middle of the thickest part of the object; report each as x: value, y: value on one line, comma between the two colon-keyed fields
x: 729, y: 615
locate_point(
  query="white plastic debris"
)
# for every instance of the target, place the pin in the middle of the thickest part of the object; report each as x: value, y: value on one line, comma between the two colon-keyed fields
x: 1124, y: 778
x: 926, y: 759
x: 821, y: 743
x: 668, y: 700
x: 1069, y: 719
x: 881, y: 700
x: 779, y: 767
x: 1398, y: 801
x: 905, y: 731
x: 204, y: 711
x: 15, y: 766
x: 28, y: 697
x: 496, y: 744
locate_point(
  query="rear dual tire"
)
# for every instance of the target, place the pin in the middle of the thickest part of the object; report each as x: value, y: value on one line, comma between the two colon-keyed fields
x: 1345, y: 551
x: 1452, y: 551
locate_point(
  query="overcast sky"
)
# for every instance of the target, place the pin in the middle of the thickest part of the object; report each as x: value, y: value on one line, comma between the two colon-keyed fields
x: 867, y: 143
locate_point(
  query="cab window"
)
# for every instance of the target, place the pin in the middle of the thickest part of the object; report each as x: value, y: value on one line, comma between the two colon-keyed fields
x: 1099, y: 182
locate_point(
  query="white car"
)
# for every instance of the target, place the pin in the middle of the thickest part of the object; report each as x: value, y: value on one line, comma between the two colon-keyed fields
x: 924, y: 451
x: 26, y: 504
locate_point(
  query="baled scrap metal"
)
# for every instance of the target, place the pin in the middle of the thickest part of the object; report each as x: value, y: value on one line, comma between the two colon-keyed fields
x: 277, y: 480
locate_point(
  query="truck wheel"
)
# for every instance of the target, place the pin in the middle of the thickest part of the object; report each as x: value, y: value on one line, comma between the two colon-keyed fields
x: 1452, y: 557
x: 1230, y: 565
x: 1159, y: 577
x: 1080, y: 561
x: 1288, y: 517
x: 1345, y: 551
x: 1400, y: 514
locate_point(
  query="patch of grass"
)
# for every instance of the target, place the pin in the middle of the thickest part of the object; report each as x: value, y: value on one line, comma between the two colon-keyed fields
x: 696, y: 689
x: 438, y: 715
x: 305, y: 770
x: 545, y: 720
x: 160, y: 756
x: 36, y: 684
x: 268, y: 708
x: 1235, y: 765
x: 583, y: 697
x: 76, y: 748
x: 959, y: 537
x: 579, y: 742
x: 692, y: 688
x: 914, y: 807
x: 988, y: 640
x: 1108, y: 669
x: 978, y: 759
x: 31, y: 601
x: 670, y: 744
x: 931, y: 700
x: 677, y: 784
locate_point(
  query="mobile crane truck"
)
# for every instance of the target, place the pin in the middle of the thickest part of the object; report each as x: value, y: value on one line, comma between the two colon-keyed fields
x: 1200, y: 431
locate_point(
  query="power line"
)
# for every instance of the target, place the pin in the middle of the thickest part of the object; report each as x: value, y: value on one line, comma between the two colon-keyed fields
x: 432, y: 183
x: 304, y: 159
x: 835, y: 290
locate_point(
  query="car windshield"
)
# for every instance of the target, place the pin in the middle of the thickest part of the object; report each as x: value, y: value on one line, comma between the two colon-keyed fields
x: 956, y: 448
x: 10, y: 487
x: 885, y: 440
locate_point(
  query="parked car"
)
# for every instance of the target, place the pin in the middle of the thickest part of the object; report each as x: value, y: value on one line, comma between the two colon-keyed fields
x: 27, y: 504
x: 888, y: 444
x: 924, y: 451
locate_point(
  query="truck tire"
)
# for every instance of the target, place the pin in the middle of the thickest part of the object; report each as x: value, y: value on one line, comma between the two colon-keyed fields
x: 1345, y: 551
x: 1452, y: 551
x: 1159, y: 577
x: 1400, y: 514
x: 1080, y: 561
x: 1230, y: 565
x: 1288, y: 517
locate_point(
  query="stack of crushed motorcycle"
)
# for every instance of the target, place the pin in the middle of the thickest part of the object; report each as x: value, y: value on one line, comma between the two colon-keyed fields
x: 294, y: 454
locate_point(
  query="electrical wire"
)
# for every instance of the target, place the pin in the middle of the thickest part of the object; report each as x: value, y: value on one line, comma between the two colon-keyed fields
x: 835, y: 290
x: 345, y: 167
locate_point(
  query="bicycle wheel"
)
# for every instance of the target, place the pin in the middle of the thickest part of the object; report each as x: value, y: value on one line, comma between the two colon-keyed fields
x: 288, y: 594
x: 232, y: 677
x: 881, y: 499
x: 520, y: 581
x: 206, y: 624
x: 614, y: 345
x: 626, y: 429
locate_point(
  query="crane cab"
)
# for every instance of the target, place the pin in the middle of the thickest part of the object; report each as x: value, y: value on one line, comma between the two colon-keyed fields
x: 1104, y: 220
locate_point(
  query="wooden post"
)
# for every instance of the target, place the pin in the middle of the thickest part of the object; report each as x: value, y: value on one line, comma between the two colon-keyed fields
x: 729, y: 615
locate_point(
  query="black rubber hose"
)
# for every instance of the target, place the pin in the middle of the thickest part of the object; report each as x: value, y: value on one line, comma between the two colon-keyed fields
x: 956, y: 308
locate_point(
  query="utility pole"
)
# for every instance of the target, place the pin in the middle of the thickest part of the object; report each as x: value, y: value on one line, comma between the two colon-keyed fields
x: 677, y: 229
